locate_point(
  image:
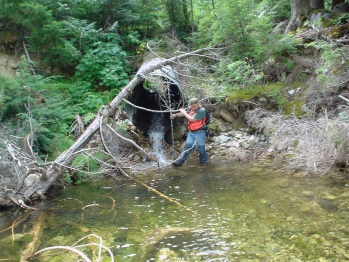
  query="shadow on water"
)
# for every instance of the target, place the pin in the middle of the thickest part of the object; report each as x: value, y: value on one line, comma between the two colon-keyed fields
x: 249, y: 212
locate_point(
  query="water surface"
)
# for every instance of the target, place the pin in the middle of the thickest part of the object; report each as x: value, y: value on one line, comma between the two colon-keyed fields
x: 249, y: 212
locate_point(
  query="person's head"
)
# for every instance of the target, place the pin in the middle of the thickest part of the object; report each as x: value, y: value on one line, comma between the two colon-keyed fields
x: 194, y: 103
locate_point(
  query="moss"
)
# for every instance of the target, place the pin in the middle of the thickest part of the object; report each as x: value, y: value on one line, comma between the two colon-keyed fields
x: 335, y: 32
x: 303, y: 18
x: 339, y: 31
x: 326, y: 23
x: 214, y: 127
x: 273, y: 91
x: 254, y: 91
x: 293, y: 107
x: 319, y: 11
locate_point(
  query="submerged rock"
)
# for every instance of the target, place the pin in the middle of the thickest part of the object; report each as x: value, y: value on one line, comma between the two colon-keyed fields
x: 153, y: 239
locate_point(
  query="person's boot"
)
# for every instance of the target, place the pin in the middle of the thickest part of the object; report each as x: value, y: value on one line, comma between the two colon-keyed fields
x: 177, y: 163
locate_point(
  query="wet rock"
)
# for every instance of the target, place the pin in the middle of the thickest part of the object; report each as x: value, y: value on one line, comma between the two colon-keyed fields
x: 234, y: 144
x: 251, y: 139
x: 341, y: 8
x: 227, y: 116
x: 344, y: 195
x: 312, y: 207
x: 329, y: 197
x: 179, y: 131
x: 328, y: 205
x: 216, y: 114
x: 222, y: 139
x: 308, y: 193
x: 231, y: 133
x: 304, y: 108
x: 246, y: 145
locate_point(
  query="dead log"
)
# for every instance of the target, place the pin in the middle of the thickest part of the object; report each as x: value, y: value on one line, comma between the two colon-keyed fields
x: 58, y: 167
x: 36, y: 233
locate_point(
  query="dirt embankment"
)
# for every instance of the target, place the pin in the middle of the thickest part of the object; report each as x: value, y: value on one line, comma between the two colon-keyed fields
x: 8, y: 64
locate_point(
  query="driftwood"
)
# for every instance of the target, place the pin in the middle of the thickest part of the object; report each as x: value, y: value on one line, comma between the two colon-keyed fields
x: 36, y: 233
x: 57, y: 168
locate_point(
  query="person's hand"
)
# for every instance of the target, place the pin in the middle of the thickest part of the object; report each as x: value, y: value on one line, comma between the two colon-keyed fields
x: 182, y: 110
x: 173, y: 116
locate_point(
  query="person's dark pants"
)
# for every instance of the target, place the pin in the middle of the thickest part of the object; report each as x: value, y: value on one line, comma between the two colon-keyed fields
x: 195, y: 139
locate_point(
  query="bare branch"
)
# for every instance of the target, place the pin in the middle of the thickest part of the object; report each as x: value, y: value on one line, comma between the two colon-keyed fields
x: 149, y: 110
x: 72, y: 249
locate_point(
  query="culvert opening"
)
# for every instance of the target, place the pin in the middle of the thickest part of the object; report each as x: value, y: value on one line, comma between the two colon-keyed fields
x: 152, y: 100
x: 158, y: 92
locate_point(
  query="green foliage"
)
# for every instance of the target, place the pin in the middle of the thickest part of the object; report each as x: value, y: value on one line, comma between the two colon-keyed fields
x: 84, y: 99
x: 178, y: 17
x: 242, y: 73
x: 330, y: 58
x: 249, y: 37
x: 104, y: 63
x: 278, y: 10
x: 81, y: 33
x: 88, y: 167
x: 46, y: 36
x: 38, y: 110
x: 60, y: 143
x: 340, y: 19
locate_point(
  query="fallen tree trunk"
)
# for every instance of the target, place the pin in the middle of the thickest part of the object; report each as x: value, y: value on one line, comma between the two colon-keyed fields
x: 58, y: 167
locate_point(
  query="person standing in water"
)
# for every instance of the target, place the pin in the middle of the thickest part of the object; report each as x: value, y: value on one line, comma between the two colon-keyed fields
x: 196, y: 116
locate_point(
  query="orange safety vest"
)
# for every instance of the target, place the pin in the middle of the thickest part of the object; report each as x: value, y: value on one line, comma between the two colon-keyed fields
x: 196, y: 125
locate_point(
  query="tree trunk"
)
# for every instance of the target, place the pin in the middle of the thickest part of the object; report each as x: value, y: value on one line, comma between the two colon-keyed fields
x: 317, y: 4
x: 192, y: 16
x: 57, y: 168
x: 336, y: 2
x: 185, y: 13
x: 299, y: 11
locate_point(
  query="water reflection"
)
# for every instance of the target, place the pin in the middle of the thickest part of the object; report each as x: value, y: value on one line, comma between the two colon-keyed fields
x: 248, y: 212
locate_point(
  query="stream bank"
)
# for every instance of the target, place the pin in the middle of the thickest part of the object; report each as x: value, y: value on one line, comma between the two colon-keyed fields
x: 305, y: 147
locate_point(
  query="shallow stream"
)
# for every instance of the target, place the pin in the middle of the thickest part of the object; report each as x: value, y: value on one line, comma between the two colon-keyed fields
x: 216, y: 212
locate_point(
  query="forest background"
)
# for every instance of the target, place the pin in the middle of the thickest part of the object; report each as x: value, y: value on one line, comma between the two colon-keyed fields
x: 77, y: 55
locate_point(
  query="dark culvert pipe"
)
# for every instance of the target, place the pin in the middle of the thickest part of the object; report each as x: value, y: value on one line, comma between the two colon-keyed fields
x: 146, y: 95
